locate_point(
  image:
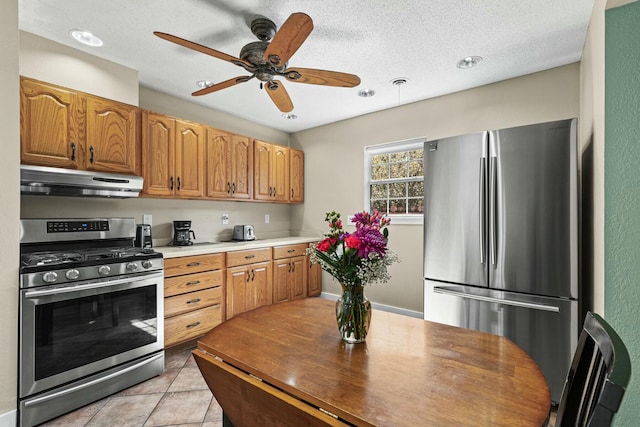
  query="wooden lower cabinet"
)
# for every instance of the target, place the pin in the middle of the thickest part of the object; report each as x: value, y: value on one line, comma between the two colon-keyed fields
x: 290, y: 273
x: 194, y: 296
x: 249, y: 280
x: 314, y: 278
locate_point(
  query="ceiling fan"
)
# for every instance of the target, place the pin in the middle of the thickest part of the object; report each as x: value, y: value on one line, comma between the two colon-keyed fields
x: 267, y: 60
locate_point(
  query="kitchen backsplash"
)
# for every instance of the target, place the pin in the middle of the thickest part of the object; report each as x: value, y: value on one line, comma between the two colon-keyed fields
x: 206, y: 215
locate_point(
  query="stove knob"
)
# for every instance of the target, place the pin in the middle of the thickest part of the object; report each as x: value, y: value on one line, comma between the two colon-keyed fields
x: 104, y: 270
x: 50, y: 276
x: 72, y: 274
x: 132, y: 266
x: 147, y: 263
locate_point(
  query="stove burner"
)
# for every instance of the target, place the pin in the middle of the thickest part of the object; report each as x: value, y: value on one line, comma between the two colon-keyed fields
x: 50, y: 258
x: 54, y: 257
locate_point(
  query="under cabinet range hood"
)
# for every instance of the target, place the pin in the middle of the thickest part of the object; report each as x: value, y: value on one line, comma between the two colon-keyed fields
x: 41, y: 180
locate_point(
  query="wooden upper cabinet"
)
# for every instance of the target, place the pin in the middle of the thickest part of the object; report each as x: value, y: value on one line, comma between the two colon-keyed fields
x: 229, y: 165
x: 296, y: 176
x: 271, y: 172
x: 189, y: 159
x: 60, y: 127
x: 172, y: 156
x: 51, y: 131
x: 112, y: 135
x: 158, y: 148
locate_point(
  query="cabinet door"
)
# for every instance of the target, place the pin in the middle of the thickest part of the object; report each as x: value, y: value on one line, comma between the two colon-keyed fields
x: 298, y: 278
x: 218, y: 154
x: 241, y: 167
x: 50, y: 125
x: 237, y: 279
x: 112, y: 136
x: 280, y: 173
x: 262, y: 287
x: 158, y: 148
x: 296, y: 176
x: 314, y: 278
x: 281, y: 272
x: 189, y: 159
x: 262, y: 189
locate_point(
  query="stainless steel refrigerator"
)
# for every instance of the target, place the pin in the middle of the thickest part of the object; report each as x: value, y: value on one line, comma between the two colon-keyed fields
x: 501, y: 238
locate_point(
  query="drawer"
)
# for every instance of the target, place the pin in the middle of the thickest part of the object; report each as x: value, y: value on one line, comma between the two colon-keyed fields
x: 192, y: 301
x: 192, y: 282
x: 248, y: 257
x: 192, y: 264
x: 191, y: 325
x: 289, y: 251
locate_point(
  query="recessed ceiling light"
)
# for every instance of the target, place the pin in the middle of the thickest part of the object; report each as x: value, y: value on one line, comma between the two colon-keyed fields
x: 204, y: 83
x: 289, y: 116
x: 366, y: 93
x: 86, y: 37
x: 469, y: 62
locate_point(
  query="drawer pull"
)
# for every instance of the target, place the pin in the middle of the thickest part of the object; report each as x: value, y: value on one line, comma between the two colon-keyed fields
x: 193, y: 301
x: 193, y: 282
x: 193, y: 264
x: 249, y: 256
x: 291, y: 250
x: 192, y: 325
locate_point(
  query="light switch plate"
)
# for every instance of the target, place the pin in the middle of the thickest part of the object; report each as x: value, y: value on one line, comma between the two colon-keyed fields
x: 267, y: 218
x: 147, y: 219
x: 225, y: 218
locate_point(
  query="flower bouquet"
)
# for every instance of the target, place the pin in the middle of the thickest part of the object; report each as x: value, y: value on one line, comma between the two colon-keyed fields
x: 355, y: 259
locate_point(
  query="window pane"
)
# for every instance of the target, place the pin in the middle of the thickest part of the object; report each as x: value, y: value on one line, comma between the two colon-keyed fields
x: 398, y: 157
x: 398, y: 189
x: 379, y: 172
x: 415, y: 206
x: 416, y: 168
x: 398, y: 170
x: 416, y: 189
x: 416, y: 155
x: 380, y: 206
x: 380, y: 159
x: 379, y: 191
x: 397, y: 206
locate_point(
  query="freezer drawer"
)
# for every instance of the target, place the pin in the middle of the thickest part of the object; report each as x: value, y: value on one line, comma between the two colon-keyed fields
x: 546, y: 328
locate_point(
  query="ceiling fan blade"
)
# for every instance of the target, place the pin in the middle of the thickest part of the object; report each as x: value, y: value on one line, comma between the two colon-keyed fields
x: 321, y: 77
x: 288, y: 39
x: 222, y: 85
x: 279, y: 95
x: 203, y: 49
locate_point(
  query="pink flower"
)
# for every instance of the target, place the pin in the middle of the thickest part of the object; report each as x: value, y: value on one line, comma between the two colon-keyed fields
x: 324, y: 245
x: 352, y: 241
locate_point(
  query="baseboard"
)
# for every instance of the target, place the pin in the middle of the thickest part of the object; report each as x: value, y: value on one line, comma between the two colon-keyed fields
x: 383, y: 307
x: 9, y: 419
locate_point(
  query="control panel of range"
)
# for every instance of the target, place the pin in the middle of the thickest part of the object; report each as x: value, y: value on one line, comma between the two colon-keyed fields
x: 75, y: 226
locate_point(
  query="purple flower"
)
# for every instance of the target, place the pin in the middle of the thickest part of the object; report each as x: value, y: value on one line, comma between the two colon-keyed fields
x: 370, y: 241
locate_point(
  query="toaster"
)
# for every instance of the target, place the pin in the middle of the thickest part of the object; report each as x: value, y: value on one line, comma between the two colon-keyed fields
x: 243, y: 232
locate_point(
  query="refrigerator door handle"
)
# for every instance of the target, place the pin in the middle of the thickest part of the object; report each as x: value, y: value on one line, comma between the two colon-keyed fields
x: 492, y: 211
x: 482, y: 228
x: 486, y: 298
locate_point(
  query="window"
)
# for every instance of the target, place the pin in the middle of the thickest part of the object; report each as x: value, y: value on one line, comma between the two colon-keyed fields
x: 394, y: 177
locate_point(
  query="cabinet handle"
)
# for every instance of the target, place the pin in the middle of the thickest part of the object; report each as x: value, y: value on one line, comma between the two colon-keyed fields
x: 274, y: 191
x: 193, y: 325
x: 248, y: 276
x: 249, y: 256
x: 193, y: 282
x: 92, y: 154
x: 291, y: 250
x: 293, y: 266
x: 270, y: 191
x: 289, y: 270
x: 193, y: 264
x: 73, y: 151
x: 228, y: 187
x: 178, y: 183
x: 193, y: 301
x: 171, y: 179
x: 234, y: 188
x: 253, y: 274
x: 292, y: 193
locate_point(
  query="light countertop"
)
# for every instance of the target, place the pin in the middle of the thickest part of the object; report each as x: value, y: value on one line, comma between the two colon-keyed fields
x: 215, y: 247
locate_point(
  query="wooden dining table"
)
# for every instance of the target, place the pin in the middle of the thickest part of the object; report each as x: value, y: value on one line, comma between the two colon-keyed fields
x: 286, y: 365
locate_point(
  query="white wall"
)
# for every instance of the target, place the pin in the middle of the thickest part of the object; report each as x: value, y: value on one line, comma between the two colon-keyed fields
x: 9, y: 214
x: 334, y: 179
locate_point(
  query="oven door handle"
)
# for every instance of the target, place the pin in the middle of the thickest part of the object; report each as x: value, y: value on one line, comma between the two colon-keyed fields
x: 93, y: 285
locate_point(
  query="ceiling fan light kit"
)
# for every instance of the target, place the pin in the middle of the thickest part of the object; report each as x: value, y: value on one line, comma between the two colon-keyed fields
x: 469, y: 62
x: 268, y: 58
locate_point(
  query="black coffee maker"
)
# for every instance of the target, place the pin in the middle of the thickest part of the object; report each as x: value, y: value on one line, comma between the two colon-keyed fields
x: 182, y: 233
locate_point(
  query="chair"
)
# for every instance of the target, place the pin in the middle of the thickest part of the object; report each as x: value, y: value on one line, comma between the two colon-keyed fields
x: 597, y: 379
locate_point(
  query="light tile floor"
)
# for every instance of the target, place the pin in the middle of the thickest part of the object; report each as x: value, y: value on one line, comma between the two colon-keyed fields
x: 180, y: 396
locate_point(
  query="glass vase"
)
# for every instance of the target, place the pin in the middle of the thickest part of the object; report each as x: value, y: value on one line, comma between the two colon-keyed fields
x: 353, y: 313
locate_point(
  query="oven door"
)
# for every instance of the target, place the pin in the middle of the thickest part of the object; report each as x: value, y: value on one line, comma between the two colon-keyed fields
x: 69, y: 332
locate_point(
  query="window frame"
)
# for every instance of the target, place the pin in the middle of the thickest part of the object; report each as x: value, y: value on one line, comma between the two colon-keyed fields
x: 386, y: 148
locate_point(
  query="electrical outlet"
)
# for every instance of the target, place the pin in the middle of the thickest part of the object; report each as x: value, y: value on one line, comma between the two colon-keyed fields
x: 147, y: 219
x: 267, y: 218
x: 225, y: 218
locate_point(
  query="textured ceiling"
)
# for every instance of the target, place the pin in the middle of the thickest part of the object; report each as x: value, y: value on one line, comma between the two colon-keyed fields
x: 418, y: 40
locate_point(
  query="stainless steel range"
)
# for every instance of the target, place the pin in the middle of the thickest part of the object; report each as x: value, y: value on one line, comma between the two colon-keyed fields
x: 91, y: 313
